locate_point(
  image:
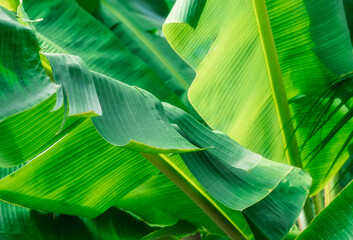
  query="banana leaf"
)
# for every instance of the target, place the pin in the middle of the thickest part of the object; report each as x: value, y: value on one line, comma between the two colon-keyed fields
x: 139, y: 25
x: 67, y: 28
x: 252, y: 60
x: 335, y: 221
x: 271, y: 210
x: 20, y: 224
x: 241, y: 188
x: 101, y: 176
x: 25, y: 88
x: 78, y: 189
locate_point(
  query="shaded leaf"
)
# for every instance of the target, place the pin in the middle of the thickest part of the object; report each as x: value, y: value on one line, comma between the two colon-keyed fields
x: 270, y: 194
x: 134, y: 22
x: 64, y: 30
x: 24, y: 83
x: 180, y: 229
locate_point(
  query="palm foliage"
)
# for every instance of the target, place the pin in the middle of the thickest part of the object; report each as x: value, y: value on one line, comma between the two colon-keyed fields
x: 269, y: 100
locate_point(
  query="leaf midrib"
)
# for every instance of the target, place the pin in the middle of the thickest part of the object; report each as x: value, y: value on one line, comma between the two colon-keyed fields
x: 47, y: 40
x: 195, y: 193
x: 276, y: 82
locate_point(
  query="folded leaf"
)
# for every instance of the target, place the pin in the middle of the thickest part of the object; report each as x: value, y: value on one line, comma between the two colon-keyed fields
x: 266, y: 189
x: 276, y: 214
x: 77, y: 83
x: 24, y: 83
x: 220, y: 146
x: 132, y: 117
x: 67, y: 28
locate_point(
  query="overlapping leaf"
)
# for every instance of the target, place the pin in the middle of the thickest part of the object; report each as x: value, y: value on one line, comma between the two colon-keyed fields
x: 335, y: 221
x: 67, y: 28
x: 19, y: 223
x: 76, y: 83
x: 272, y: 193
x: 84, y: 175
x: 21, y: 135
x: 132, y: 117
x: 233, y: 90
x: 24, y: 83
x: 139, y: 24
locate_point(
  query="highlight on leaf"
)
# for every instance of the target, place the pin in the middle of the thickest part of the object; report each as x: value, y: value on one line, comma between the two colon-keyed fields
x: 164, y: 119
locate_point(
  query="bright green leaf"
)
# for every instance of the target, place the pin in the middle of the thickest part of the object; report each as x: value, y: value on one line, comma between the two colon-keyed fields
x: 239, y: 88
x: 335, y: 221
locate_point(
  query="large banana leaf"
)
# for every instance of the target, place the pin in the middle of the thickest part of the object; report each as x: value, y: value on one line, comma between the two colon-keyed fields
x: 139, y: 24
x: 102, y: 176
x: 335, y: 221
x: 25, y: 88
x: 241, y: 189
x: 67, y: 28
x: 72, y: 192
x: 36, y: 147
x: 32, y: 132
x: 226, y: 180
x: 132, y: 117
x: 18, y: 223
x: 247, y: 69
